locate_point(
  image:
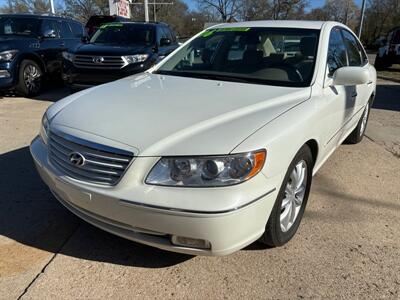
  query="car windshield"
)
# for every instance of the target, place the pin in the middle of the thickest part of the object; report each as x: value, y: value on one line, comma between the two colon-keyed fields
x: 19, y: 26
x: 274, y: 56
x: 125, y: 34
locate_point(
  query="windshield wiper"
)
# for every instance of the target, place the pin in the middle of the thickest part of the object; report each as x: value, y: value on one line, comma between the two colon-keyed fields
x: 205, y: 76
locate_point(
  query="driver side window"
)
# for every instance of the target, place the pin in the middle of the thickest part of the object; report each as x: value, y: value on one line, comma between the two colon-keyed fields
x: 337, y: 57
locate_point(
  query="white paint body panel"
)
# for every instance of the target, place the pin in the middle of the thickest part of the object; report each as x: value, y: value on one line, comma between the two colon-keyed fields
x: 153, y: 115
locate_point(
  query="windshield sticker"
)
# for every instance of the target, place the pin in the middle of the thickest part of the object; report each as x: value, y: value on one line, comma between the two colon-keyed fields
x: 111, y: 25
x: 227, y: 29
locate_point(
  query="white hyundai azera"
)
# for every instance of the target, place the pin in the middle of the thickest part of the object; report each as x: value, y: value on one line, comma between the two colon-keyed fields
x: 214, y: 147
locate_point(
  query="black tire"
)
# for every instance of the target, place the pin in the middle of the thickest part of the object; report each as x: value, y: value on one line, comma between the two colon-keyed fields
x: 357, y: 134
x: 29, y: 78
x: 274, y: 236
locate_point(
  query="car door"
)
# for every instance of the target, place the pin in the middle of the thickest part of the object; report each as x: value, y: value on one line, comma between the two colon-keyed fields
x: 51, y: 44
x: 335, y: 101
x: 66, y: 35
x: 357, y: 58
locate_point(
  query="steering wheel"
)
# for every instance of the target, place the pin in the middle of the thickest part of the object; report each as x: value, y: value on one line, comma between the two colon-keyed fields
x: 290, y: 69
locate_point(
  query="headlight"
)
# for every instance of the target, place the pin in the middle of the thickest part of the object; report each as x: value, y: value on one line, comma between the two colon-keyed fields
x: 8, y: 55
x: 68, y: 56
x: 207, y: 171
x: 132, y: 59
x: 44, y: 129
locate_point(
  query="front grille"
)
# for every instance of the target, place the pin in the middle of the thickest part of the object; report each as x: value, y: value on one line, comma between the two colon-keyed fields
x: 99, y: 62
x: 102, y: 165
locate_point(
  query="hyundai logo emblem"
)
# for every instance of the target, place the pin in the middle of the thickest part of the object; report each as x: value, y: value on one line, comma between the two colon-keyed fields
x: 77, y: 159
x: 98, y: 59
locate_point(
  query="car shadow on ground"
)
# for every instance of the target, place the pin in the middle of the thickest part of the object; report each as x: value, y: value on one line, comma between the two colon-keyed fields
x: 30, y: 215
x: 387, y: 97
x: 53, y: 92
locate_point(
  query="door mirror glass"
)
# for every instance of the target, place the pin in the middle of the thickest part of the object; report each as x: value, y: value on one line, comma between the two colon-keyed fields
x: 49, y: 34
x: 349, y: 76
x: 165, y: 42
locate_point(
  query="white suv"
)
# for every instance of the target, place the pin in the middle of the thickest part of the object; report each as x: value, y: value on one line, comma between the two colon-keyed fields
x: 215, y: 147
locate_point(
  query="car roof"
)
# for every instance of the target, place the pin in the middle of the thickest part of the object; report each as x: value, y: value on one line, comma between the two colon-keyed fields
x: 275, y: 23
x: 37, y: 16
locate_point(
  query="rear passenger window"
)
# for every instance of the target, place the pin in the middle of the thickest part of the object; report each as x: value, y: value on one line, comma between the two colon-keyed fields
x: 337, y: 57
x: 65, y: 31
x: 353, y: 50
x: 77, y: 29
x: 50, y: 26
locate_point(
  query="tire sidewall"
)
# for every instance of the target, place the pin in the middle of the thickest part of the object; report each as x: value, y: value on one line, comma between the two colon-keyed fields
x: 283, y: 237
x: 360, y: 134
x: 21, y: 82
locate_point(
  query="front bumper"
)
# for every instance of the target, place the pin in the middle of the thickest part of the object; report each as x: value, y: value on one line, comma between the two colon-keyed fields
x: 227, y: 231
x: 8, y: 76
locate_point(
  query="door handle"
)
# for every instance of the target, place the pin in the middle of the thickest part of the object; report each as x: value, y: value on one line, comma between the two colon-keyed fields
x: 62, y: 44
x: 354, y: 95
x: 370, y: 82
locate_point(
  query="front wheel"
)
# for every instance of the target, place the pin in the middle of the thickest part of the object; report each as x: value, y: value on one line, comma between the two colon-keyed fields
x: 30, y: 78
x: 292, y: 199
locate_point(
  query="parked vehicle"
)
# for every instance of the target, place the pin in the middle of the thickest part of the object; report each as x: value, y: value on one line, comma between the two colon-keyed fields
x: 31, y: 47
x: 96, y: 21
x: 389, y: 53
x: 117, y: 50
x: 216, y: 146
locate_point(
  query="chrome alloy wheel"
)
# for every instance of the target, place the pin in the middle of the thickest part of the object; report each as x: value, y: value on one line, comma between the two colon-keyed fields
x: 32, y: 78
x: 364, y: 120
x: 294, y: 195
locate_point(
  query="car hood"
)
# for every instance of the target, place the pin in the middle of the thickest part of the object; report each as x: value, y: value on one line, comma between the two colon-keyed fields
x: 94, y: 49
x: 168, y: 115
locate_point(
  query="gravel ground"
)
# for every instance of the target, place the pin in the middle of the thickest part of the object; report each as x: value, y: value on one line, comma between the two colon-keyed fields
x: 348, y: 245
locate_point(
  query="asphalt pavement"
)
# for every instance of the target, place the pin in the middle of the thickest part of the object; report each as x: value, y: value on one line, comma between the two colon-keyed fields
x: 348, y: 245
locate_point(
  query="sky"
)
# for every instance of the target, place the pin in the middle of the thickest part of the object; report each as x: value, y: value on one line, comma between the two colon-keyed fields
x: 192, y: 3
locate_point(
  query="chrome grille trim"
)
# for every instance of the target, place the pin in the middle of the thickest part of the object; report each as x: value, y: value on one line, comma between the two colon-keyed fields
x: 103, y: 165
x: 109, y: 62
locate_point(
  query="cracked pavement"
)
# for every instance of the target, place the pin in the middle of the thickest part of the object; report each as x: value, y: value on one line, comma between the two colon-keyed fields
x: 348, y: 245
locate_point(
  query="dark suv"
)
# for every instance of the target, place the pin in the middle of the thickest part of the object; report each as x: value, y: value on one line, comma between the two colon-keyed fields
x: 117, y: 50
x: 389, y: 52
x: 31, y: 47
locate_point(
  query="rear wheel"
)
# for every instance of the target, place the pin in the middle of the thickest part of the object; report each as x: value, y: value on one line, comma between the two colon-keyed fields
x: 292, y: 199
x: 30, y: 78
x: 357, y: 134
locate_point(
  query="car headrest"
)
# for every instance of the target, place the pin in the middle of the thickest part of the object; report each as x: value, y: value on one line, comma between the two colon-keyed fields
x: 252, y: 57
x: 307, y: 45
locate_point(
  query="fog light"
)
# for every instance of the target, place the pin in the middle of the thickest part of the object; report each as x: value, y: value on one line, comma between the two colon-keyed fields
x: 4, y: 74
x: 189, y: 242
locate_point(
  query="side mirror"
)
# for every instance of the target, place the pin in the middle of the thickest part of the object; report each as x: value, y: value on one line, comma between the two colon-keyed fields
x: 165, y: 42
x: 85, y: 39
x: 348, y: 76
x: 49, y: 34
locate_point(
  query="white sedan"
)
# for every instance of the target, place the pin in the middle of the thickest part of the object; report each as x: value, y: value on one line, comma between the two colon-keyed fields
x: 215, y: 147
